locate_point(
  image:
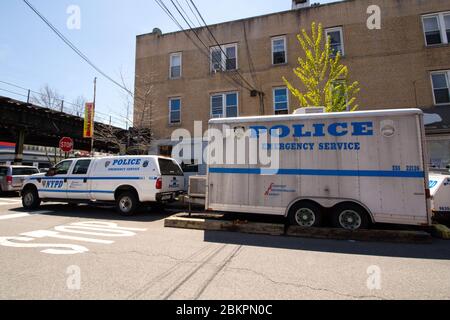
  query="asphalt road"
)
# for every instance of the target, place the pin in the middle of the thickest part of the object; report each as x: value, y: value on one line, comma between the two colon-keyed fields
x: 64, y: 252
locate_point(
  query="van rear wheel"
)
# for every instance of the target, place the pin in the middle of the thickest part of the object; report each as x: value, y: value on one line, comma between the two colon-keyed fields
x: 350, y: 217
x: 127, y: 203
x: 306, y: 214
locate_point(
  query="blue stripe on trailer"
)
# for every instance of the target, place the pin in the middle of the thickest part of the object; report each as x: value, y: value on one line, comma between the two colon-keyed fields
x: 319, y: 172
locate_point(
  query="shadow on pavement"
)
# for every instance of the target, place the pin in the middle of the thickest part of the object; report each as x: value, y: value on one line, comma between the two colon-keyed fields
x: 10, y: 195
x: 439, y: 250
x: 97, y: 212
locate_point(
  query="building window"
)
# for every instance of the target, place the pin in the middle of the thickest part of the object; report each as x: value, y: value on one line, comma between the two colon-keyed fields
x: 224, y: 58
x: 441, y: 87
x: 175, y: 111
x: 436, y: 28
x: 336, y: 40
x: 279, y: 51
x: 224, y: 105
x: 281, y: 100
x: 175, y: 65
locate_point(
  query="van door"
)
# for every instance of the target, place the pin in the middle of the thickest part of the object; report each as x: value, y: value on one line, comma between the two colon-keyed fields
x: 79, y: 185
x: 55, y: 186
x: 172, y: 175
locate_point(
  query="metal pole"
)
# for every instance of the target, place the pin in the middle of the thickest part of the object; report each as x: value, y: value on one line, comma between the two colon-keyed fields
x: 93, y: 126
x: 28, y: 97
x: 62, y: 105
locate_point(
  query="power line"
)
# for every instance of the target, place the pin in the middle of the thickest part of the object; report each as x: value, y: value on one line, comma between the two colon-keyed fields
x: 226, y: 56
x: 187, y: 16
x: 217, y: 42
x: 190, y: 8
x: 201, y: 50
x: 74, y: 48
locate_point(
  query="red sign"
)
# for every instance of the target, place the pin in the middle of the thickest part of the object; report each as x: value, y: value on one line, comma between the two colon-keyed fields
x: 66, y: 144
x: 88, y: 129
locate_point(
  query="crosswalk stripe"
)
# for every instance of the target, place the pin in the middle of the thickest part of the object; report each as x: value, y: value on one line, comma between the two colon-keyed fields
x: 10, y: 200
x: 14, y: 216
x: 23, y: 214
x: 9, y: 203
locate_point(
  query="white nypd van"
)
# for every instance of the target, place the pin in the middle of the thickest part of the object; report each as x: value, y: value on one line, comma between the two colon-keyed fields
x: 126, y: 181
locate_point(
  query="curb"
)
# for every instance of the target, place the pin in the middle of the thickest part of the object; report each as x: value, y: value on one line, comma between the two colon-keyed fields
x: 441, y: 231
x: 417, y: 237
x: 217, y: 225
x: 395, y: 236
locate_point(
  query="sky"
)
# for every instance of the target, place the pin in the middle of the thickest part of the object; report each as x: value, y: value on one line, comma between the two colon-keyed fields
x: 32, y: 56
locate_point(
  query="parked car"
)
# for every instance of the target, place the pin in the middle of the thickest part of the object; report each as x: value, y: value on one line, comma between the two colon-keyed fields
x: 12, y: 177
x: 125, y: 181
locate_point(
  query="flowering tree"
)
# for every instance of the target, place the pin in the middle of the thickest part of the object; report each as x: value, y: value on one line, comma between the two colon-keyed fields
x: 323, y: 76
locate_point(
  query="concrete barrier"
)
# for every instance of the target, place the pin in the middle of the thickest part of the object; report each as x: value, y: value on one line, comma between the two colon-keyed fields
x: 216, y: 223
x: 397, y: 236
x: 223, y: 225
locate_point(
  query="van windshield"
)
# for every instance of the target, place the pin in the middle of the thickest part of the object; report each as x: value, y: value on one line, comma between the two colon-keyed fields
x: 169, y: 168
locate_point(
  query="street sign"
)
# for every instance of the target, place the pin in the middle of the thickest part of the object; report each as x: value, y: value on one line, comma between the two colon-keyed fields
x: 66, y: 144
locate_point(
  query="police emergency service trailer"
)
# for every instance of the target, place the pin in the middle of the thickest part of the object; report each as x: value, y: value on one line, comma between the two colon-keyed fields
x: 359, y: 167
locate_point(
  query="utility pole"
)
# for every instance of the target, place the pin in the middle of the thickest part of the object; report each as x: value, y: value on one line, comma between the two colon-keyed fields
x: 93, y: 116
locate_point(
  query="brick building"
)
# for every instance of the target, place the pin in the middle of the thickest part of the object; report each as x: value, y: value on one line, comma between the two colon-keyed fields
x: 404, y: 64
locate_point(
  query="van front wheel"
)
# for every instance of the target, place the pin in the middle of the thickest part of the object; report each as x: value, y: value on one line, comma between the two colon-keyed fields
x: 30, y: 199
x: 127, y: 203
x: 305, y: 214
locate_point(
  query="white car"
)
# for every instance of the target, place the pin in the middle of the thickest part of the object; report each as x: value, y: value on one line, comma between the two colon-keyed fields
x: 126, y: 181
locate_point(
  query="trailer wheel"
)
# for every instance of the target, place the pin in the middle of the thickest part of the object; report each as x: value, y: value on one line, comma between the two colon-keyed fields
x: 350, y: 216
x: 306, y: 214
x: 127, y: 203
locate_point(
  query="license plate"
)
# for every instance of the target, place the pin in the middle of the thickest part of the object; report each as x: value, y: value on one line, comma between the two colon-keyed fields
x: 166, y: 197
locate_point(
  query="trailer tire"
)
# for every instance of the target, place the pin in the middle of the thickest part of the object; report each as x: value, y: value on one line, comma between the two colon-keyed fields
x: 127, y: 203
x: 30, y: 198
x: 350, y: 216
x: 306, y: 214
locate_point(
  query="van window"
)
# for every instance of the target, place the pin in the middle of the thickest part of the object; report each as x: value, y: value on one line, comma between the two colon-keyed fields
x: 3, y: 171
x: 24, y: 171
x: 169, y: 168
x: 63, y: 167
x: 82, y: 167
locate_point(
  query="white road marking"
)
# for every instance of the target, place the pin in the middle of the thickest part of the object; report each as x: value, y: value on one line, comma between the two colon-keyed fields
x: 104, y: 229
x: 22, y: 215
x: 14, y: 216
x: 6, y: 202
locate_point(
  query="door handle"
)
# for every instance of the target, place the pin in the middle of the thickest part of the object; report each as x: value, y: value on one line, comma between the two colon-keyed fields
x: 85, y: 180
x: 65, y: 180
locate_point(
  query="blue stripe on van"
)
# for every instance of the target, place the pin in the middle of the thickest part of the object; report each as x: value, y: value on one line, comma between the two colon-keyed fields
x: 319, y: 172
x: 75, y: 191
x: 87, y: 178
